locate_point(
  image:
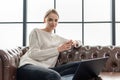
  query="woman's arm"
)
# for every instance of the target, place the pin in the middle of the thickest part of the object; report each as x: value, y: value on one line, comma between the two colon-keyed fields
x: 35, y: 51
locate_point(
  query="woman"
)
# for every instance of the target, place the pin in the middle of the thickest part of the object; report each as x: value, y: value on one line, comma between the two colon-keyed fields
x: 44, y: 48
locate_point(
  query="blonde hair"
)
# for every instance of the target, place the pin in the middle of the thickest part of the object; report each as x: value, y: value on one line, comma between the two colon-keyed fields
x: 51, y: 11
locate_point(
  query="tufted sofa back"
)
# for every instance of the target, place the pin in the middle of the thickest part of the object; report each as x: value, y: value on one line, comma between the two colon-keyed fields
x: 9, y: 62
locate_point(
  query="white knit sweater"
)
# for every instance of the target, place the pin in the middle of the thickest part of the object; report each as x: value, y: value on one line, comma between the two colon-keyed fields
x: 42, y: 49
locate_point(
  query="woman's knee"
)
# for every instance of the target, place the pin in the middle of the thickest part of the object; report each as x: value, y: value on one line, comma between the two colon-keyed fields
x: 53, y: 75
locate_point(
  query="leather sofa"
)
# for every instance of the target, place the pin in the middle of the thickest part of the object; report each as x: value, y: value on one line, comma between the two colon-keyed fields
x: 9, y: 59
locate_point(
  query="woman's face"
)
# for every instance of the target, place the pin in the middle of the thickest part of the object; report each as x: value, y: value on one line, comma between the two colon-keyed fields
x: 51, y: 21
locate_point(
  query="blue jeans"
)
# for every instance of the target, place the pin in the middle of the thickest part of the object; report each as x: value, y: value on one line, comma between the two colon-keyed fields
x: 32, y: 72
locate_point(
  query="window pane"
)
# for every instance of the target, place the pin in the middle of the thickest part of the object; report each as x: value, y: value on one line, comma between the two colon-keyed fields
x: 30, y: 27
x: 97, y: 10
x: 118, y: 34
x: 37, y: 9
x: 69, y: 10
x: 97, y: 34
x: 10, y: 35
x: 117, y: 10
x: 70, y: 31
x: 11, y: 10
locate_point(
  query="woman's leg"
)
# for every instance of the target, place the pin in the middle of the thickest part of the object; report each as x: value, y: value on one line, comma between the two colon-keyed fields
x: 69, y: 68
x: 32, y: 72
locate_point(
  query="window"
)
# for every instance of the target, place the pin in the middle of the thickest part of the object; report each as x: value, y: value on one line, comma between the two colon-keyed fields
x: 118, y: 34
x: 117, y: 22
x: 11, y: 27
x: 69, y: 10
x: 10, y: 35
x: 97, y: 34
x: 70, y: 31
x: 36, y: 9
x: 117, y: 10
x: 85, y: 20
x: 97, y: 10
x: 11, y: 11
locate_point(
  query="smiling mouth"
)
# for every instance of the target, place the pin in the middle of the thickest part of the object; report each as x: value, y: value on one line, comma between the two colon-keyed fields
x: 52, y: 25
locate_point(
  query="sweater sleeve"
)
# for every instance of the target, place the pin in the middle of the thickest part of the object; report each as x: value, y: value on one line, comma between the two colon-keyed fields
x: 63, y: 40
x: 35, y: 51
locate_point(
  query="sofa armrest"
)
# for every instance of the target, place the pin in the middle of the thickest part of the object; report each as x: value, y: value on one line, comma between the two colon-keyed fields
x: 1, y: 71
x: 9, y: 60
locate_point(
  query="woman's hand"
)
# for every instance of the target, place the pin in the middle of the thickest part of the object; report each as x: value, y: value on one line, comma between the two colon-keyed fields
x: 65, y: 46
x: 75, y: 44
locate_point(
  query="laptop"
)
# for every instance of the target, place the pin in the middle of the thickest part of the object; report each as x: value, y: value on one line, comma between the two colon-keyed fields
x: 87, y: 69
